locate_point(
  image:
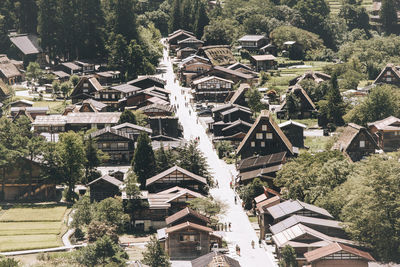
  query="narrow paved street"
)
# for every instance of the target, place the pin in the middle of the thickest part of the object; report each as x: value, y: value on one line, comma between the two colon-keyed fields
x: 242, y: 233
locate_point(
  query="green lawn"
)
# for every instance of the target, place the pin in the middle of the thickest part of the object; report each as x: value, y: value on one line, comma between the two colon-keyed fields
x: 318, y: 143
x: 336, y: 4
x: 31, y: 227
x: 54, y: 106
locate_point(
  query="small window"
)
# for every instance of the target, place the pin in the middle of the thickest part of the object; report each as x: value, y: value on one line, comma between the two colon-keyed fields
x: 253, y: 144
x: 262, y: 144
x: 388, y: 79
x: 362, y: 143
x: 85, y: 85
x: 388, y: 73
x: 269, y: 135
x: 264, y: 127
x: 217, y: 86
x: 259, y: 136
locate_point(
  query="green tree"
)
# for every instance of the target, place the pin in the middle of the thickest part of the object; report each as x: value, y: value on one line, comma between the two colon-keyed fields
x: 56, y: 87
x: 127, y: 116
x: 74, y: 80
x: 355, y: 15
x: 9, y: 262
x: 201, y: 20
x: 165, y: 159
x: 221, y: 32
x: 110, y: 211
x: 193, y: 160
x: 336, y: 107
x: 155, y: 256
x: 141, y: 118
x: 288, y: 257
x: 97, y: 230
x: 175, y: 21
x: 82, y: 215
x: 72, y: 155
x: 131, y: 188
x: 48, y: 25
x: 27, y: 16
x: 34, y: 148
x: 249, y: 192
x: 254, y: 100
x: 93, y: 158
x: 33, y: 71
x: 209, y: 207
x: 65, y: 87
x: 388, y: 16
x: 144, y: 163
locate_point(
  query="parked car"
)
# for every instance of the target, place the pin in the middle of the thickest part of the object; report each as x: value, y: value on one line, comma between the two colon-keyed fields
x: 215, y: 248
x: 268, y: 238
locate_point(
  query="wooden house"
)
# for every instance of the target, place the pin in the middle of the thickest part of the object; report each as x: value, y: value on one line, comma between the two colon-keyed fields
x: 263, y: 62
x: 264, y: 138
x: 263, y: 167
x: 356, y: 142
x: 176, y: 36
x: 17, y: 184
x: 387, y: 133
x: 239, y: 96
x: 191, y: 42
x: 118, y: 145
x: 144, y: 82
x: 104, y: 187
x: 9, y: 73
x: 192, y: 66
x: 90, y: 120
x: 218, y: 55
x: 389, y: 75
x: 30, y: 112
x: 269, y: 49
x: 26, y: 47
x: 21, y: 103
x: 183, y: 53
x: 306, y: 107
x: 212, y: 88
x: 108, y: 77
x: 316, y: 76
x: 243, y: 68
x: 90, y: 105
x: 61, y: 76
x: 230, y: 131
x: 337, y: 254
x: 86, y: 66
x: 160, y: 206
x: 253, y: 42
x: 228, y: 74
x: 187, y: 215
x: 132, y: 130
x: 176, y: 176
x: 165, y: 126
x: 53, y: 123
x: 68, y: 67
x: 86, y: 88
x: 294, y: 131
x: 157, y: 110
x: 264, y: 219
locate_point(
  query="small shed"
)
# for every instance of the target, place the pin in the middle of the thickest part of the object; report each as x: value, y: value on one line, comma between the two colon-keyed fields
x: 263, y: 62
x: 294, y: 131
x: 104, y: 187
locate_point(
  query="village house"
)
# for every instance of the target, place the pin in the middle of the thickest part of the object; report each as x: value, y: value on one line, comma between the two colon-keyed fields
x: 90, y: 105
x: 356, y: 142
x: 86, y: 88
x: 158, y: 206
x: 252, y: 42
x: 108, y: 77
x: 294, y: 131
x: 61, y: 76
x: 26, y: 47
x: 387, y: 133
x: 269, y: 49
x: 218, y: 55
x: 165, y: 126
x: 192, y: 66
x: 104, y: 187
x: 212, y: 88
x: 337, y: 254
x: 158, y: 110
x: 263, y: 62
x: 243, y: 68
x: 183, y: 53
x: 9, y: 73
x: 316, y: 76
x: 305, y: 107
x: 176, y: 36
x: 228, y: 74
x: 30, y: 112
x: 176, y: 176
x: 263, y: 167
x: 263, y: 217
x: 86, y: 66
x: 5, y: 91
x: 230, y: 131
x: 389, y: 75
x: 117, y: 144
x: 68, y: 67
x: 215, y: 259
x: 239, y: 96
x: 132, y: 130
x: 191, y: 42
x: 144, y: 82
x: 21, y: 103
x: 264, y: 138
x: 17, y: 185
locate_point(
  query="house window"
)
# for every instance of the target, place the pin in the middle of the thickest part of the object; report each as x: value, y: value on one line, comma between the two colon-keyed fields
x: 86, y: 85
x: 228, y: 85
x: 262, y: 144
x: 362, y: 143
x: 259, y: 136
x: 105, y: 96
x: 122, y: 145
x: 217, y: 86
x: 264, y: 127
x: 253, y: 144
x: 85, y: 90
x: 388, y: 73
x: 388, y: 79
x: 269, y: 136
x: 188, y: 238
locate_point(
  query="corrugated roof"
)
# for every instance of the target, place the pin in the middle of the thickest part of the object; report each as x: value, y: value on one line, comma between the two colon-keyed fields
x: 26, y: 43
x: 187, y: 225
x: 333, y: 248
x: 172, y: 169
x: 386, y: 124
x: 259, y: 161
x: 112, y: 131
x: 125, y: 88
x: 295, y: 219
x: 54, y: 120
x: 264, y: 204
x: 133, y: 126
x: 252, y: 38
x: 291, y: 206
x: 260, y: 172
x: 166, y: 108
x: 235, y: 124
x: 183, y: 213
x: 201, y: 80
x: 263, y: 57
x: 234, y: 72
x: 93, y: 117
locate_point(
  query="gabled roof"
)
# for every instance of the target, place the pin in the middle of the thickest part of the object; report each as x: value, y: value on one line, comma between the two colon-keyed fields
x: 263, y: 57
x: 191, y: 40
x: 266, y: 115
x: 180, y: 30
x: 252, y: 38
x: 214, y: 259
x: 333, y: 248
x: 390, y: 67
x: 266, y: 172
x: 386, y: 124
x: 23, y: 101
x: 93, y: 117
x: 157, y: 100
x: 292, y: 206
x: 299, y: 89
x: 95, y: 104
x: 71, y: 65
x: 349, y: 134
x: 234, y: 73
x: 8, y: 69
x: 147, y: 77
x: 183, y: 213
x: 290, y: 122
x: 184, y: 192
x: 239, y: 93
x: 291, y: 234
x: 205, y: 79
x: 112, y: 131
x: 218, y: 54
x: 166, y: 108
x: 235, y: 124
x: 133, y: 126
x: 236, y: 109
x: 108, y: 179
x: 171, y: 170
x: 316, y: 76
x: 295, y: 219
x: 239, y: 65
x: 178, y: 33
x: 263, y: 205
x: 125, y: 88
x: 260, y: 161
x: 27, y: 43
x: 188, y: 225
x: 61, y: 74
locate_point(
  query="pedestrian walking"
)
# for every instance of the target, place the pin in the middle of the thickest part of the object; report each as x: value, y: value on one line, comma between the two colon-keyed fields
x: 216, y: 184
x: 230, y: 225
x: 237, y: 249
x: 252, y: 243
x: 259, y: 242
x: 226, y: 227
x: 235, y: 200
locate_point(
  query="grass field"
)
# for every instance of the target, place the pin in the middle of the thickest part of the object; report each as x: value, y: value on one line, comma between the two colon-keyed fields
x: 336, y: 4
x: 31, y: 227
x: 318, y: 143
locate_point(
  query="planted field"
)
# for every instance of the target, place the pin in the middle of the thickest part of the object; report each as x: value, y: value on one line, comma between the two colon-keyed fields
x: 336, y: 4
x: 31, y: 227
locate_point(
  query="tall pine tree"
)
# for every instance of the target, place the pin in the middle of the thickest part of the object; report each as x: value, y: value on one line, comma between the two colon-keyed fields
x: 201, y: 20
x: 144, y: 163
x: 176, y: 20
x: 335, y: 105
x: 388, y: 16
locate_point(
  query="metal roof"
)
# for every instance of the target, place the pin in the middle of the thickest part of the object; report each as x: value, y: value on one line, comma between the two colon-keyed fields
x: 93, y: 117
x: 334, y: 248
x: 252, y: 38
x: 172, y: 169
x: 27, y: 43
x: 295, y: 219
x: 291, y: 206
x: 133, y: 126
